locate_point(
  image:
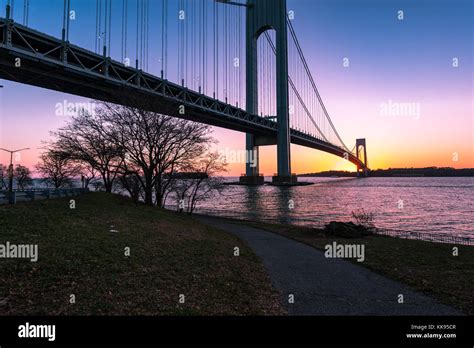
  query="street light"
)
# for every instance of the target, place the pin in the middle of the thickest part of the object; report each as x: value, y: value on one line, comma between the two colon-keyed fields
x: 10, y: 168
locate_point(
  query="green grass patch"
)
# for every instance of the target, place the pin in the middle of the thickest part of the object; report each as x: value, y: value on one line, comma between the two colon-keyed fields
x: 171, y: 254
x: 427, y: 267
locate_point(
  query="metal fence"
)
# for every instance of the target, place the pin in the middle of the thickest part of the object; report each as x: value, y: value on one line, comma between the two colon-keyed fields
x: 33, y: 194
x: 429, y: 237
x: 424, y: 236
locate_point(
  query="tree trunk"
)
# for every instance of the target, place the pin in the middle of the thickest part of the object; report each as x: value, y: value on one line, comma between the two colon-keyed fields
x: 148, y: 191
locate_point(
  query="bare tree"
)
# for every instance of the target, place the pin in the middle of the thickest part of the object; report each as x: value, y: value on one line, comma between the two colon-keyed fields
x: 153, y: 145
x: 131, y: 184
x: 57, y: 169
x: 3, y: 176
x: 88, y: 174
x: 23, y: 176
x: 85, y: 139
x: 200, y: 181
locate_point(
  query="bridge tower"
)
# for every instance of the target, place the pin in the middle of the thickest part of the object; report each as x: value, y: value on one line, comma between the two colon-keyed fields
x: 263, y: 15
x: 362, y: 171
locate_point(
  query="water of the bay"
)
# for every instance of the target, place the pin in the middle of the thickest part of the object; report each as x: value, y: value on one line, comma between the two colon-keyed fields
x: 421, y: 204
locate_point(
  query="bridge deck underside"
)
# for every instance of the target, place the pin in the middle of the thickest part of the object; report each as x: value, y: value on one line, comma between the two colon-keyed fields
x: 90, y: 75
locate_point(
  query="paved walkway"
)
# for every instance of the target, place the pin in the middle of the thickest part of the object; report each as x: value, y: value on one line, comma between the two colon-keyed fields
x: 323, y: 286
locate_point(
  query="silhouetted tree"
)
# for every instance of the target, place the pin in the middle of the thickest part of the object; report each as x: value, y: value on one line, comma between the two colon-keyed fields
x: 153, y: 145
x: 23, y: 176
x: 57, y: 169
x: 3, y: 177
x: 200, y: 181
x: 88, y: 174
x: 85, y: 139
x: 131, y: 184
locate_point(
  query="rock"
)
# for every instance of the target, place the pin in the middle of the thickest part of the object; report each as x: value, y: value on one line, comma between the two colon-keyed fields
x: 346, y: 230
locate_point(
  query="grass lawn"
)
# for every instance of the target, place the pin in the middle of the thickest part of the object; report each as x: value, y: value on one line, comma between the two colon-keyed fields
x: 171, y: 254
x: 427, y: 267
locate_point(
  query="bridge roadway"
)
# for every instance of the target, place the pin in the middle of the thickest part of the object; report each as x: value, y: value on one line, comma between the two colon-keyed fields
x: 51, y: 63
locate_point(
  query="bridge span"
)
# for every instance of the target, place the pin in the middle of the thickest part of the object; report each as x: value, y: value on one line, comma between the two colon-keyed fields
x: 31, y: 57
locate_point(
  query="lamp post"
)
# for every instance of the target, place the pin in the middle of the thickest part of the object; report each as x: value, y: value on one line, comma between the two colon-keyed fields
x: 10, y: 168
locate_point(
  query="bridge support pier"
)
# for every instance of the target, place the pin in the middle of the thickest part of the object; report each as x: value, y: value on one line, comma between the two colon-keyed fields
x: 362, y: 171
x: 252, y: 175
x: 263, y: 15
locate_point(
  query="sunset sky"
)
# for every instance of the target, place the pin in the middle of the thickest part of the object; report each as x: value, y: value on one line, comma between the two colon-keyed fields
x: 390, y: 61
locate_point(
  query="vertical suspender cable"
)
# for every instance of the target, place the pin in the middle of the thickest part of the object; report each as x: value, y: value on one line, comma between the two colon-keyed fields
x: 147, y: 34
x: 264, y: 80
x: 179, y: 39
x: 123, y: 32
x: 147, y: 31
x: 109, y: 29
x: 236, y: 51
x: 216, y: 62
x: 24, y: 12
x: 226, y: 51
x: 106, y: 27
x: 214, y: 47
x: 68, y: 19
x: 186, y: 48
x: 193, y: 45
x: 145, y: 2
x: 162, y: 37
x: 101, y: 33
x: 186, y: 42
x: 142, y: 36
x: 96, y: 24
x: 259, y: 78
x: 204, y: 41
x: 142, y: 3
x: 239, y: 55
x: 201, y: 45
x: 137, y: 38
x: 144, y: 33
x: 63, y: 31
x: 166, y: 38
x: 180, y: 43
x: 232, y: 55
x: 125, y: 53
x: 266, y: 77
x: 236, y: 57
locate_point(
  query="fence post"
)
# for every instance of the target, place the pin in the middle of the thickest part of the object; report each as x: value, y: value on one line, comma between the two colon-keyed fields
x: 12, y: 197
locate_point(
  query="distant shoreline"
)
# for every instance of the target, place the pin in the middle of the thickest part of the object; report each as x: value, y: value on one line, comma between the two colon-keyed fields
x: 400, y: 172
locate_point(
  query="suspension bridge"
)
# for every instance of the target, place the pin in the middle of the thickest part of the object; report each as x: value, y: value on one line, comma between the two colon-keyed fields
x: 235, y: 64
